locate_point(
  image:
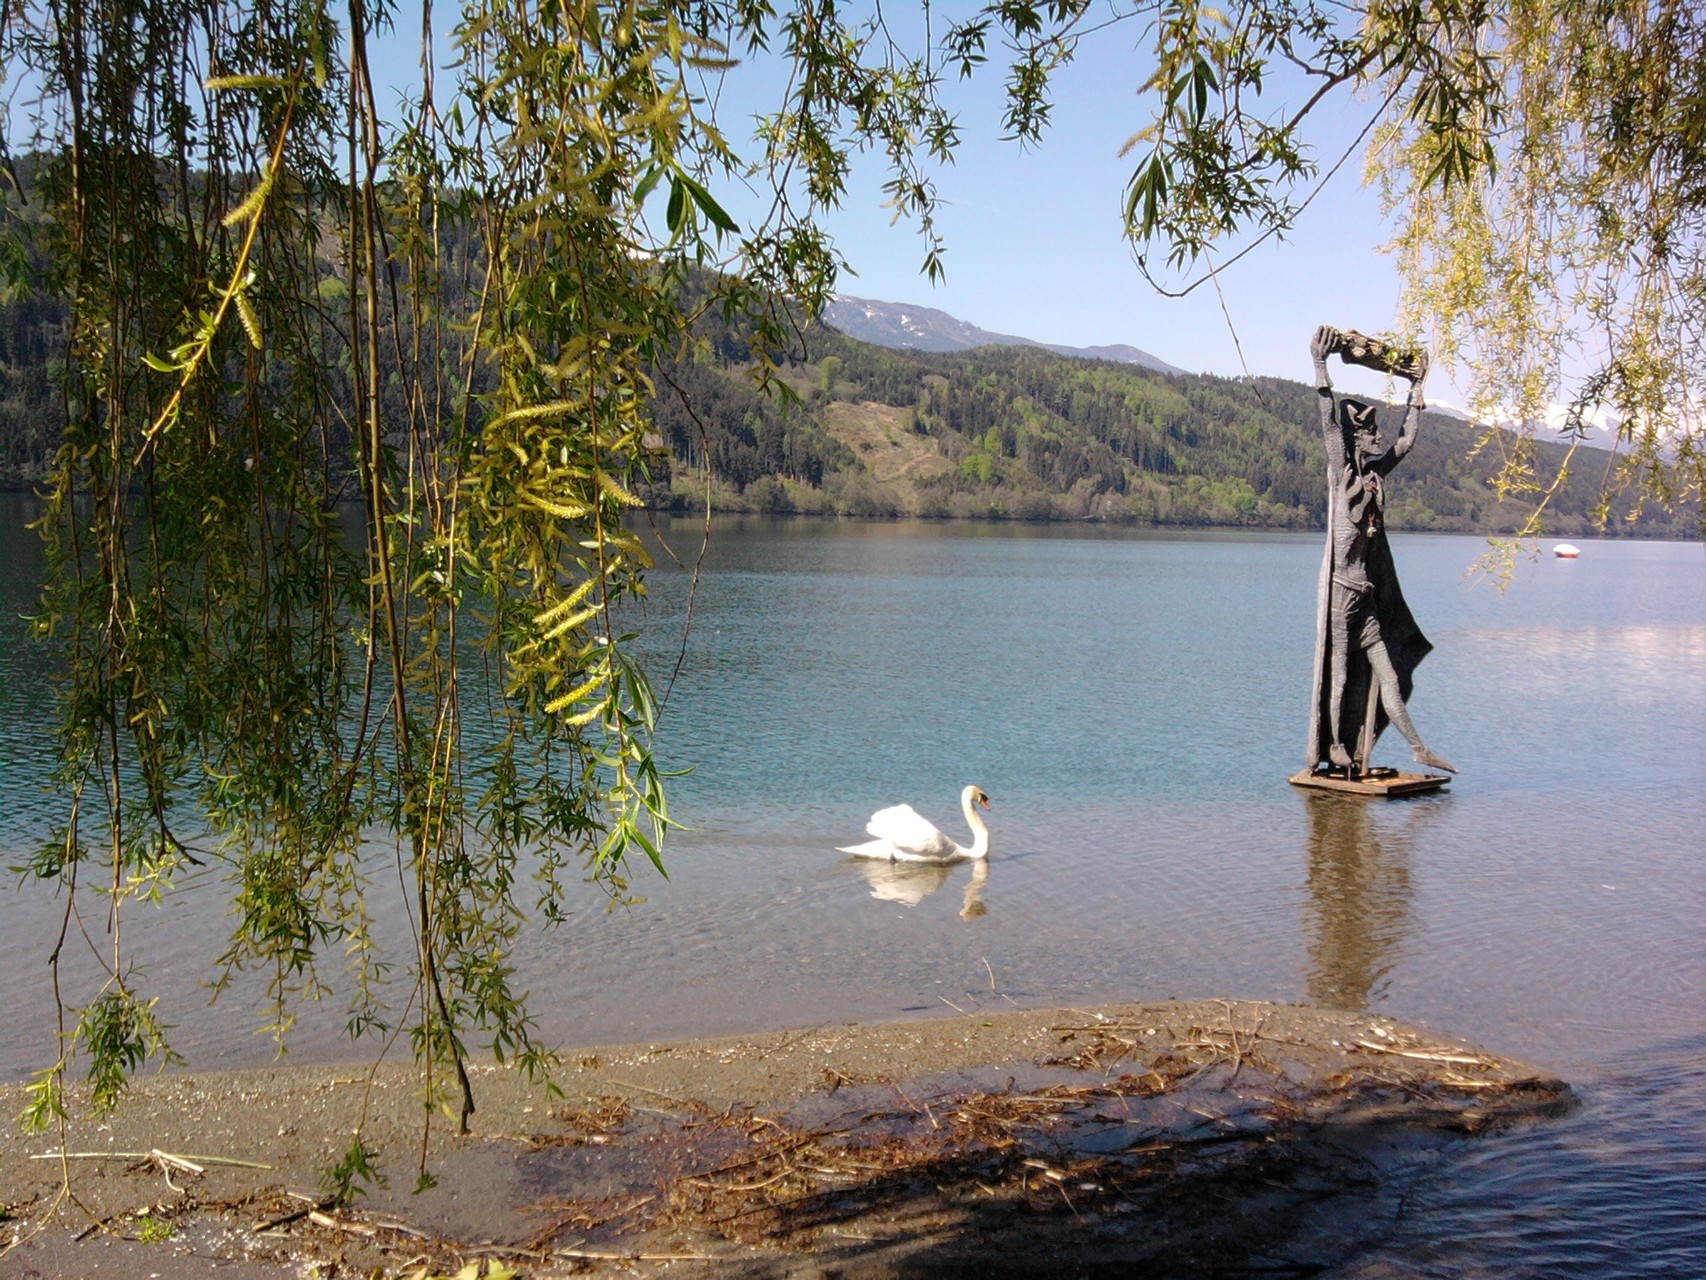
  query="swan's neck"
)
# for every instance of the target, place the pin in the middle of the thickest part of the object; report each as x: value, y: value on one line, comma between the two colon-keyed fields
x: 980, y: 833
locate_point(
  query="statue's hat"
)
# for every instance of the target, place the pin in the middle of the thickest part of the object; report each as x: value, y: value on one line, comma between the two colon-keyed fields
x: 1359, y: 412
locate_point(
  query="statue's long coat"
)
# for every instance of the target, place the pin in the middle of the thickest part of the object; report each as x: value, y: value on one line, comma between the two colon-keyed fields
x: 1404, y: 640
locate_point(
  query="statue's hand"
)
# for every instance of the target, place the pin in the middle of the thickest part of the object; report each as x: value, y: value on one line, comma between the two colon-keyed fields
x: 1421, y: 374
x: 1322, y: 342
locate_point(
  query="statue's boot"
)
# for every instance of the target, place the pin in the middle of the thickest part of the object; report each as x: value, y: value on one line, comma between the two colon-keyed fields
x: 1339, y: 756
x: 1424, y: 756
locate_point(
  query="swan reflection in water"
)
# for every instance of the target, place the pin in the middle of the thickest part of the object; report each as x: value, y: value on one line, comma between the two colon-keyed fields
x: 909, y: 883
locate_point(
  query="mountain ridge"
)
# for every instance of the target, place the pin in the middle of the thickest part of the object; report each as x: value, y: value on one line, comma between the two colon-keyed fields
x: 905, y: 327
x: 901, y: 326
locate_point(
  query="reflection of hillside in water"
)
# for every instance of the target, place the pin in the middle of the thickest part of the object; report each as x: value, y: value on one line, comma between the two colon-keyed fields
x: 909, y: 883
x: 1359, y: 895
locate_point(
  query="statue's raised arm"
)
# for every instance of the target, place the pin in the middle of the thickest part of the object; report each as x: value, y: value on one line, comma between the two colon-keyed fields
x: 1417, y: 372
x: 1320, y: 347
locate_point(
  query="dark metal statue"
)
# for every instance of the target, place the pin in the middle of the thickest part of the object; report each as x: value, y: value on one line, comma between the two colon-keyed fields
x: 1367, y: 644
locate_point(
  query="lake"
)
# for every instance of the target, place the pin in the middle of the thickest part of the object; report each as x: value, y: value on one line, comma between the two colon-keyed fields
x: 1133, y: 703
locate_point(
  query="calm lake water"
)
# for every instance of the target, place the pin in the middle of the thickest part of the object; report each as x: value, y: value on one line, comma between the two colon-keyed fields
x: 1133, y: 703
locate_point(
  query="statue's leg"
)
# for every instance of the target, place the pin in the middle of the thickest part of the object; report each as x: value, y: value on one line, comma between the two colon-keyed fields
x: 1338, y: 670
x: 1392, y: 701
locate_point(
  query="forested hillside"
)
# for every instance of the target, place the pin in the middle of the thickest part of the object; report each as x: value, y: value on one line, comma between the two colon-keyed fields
x: 1019, y: 433
x: 995, y: 432
x: 32, y: 336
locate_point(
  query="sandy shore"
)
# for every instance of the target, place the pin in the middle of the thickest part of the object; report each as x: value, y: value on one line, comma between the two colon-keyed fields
x: 1135, y: 1138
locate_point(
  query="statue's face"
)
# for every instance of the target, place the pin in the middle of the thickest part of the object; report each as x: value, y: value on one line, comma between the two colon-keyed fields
x: 1364, y: 428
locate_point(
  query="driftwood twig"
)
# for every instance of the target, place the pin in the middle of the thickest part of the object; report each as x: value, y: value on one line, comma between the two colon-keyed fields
x: 190, y: 1163
x: 1425, y: 1056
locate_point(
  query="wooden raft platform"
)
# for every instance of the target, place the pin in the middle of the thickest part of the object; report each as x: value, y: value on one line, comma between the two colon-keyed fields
x: 1376, y: 782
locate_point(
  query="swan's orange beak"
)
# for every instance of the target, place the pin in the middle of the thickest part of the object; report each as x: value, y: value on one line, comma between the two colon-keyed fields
x: 983, y: 799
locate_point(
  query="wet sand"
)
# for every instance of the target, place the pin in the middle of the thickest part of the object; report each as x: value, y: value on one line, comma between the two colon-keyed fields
x: 1137, y: 1139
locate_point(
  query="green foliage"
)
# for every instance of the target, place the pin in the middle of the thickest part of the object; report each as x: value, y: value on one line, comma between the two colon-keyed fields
x: 252, y: 326
x: 355, y: 1172
x: 487, y: 1269
x: 152, y: 1230
x: 119, y: 1033
x: 1572, y: 238
x: 45, y: 1106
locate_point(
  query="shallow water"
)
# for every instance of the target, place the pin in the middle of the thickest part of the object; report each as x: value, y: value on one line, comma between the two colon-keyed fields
x: 1133, y: 704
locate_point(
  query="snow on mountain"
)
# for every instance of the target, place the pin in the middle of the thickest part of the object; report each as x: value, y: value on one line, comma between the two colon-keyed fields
x: 913, y: 328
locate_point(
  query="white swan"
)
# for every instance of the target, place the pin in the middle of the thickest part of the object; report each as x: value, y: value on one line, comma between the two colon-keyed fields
x: 903, y: 836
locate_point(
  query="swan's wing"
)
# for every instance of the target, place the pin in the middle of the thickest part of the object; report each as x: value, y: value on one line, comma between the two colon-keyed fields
x: 870, y: 849
x: 910, y: 833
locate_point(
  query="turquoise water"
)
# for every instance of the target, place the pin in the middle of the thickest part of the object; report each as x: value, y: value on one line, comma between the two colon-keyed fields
x: 1133, y: 704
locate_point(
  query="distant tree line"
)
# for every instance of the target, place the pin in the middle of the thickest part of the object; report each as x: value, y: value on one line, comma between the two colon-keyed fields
x: 32, y: 339
x: 1026, y: 434
x: 1034, y: 435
